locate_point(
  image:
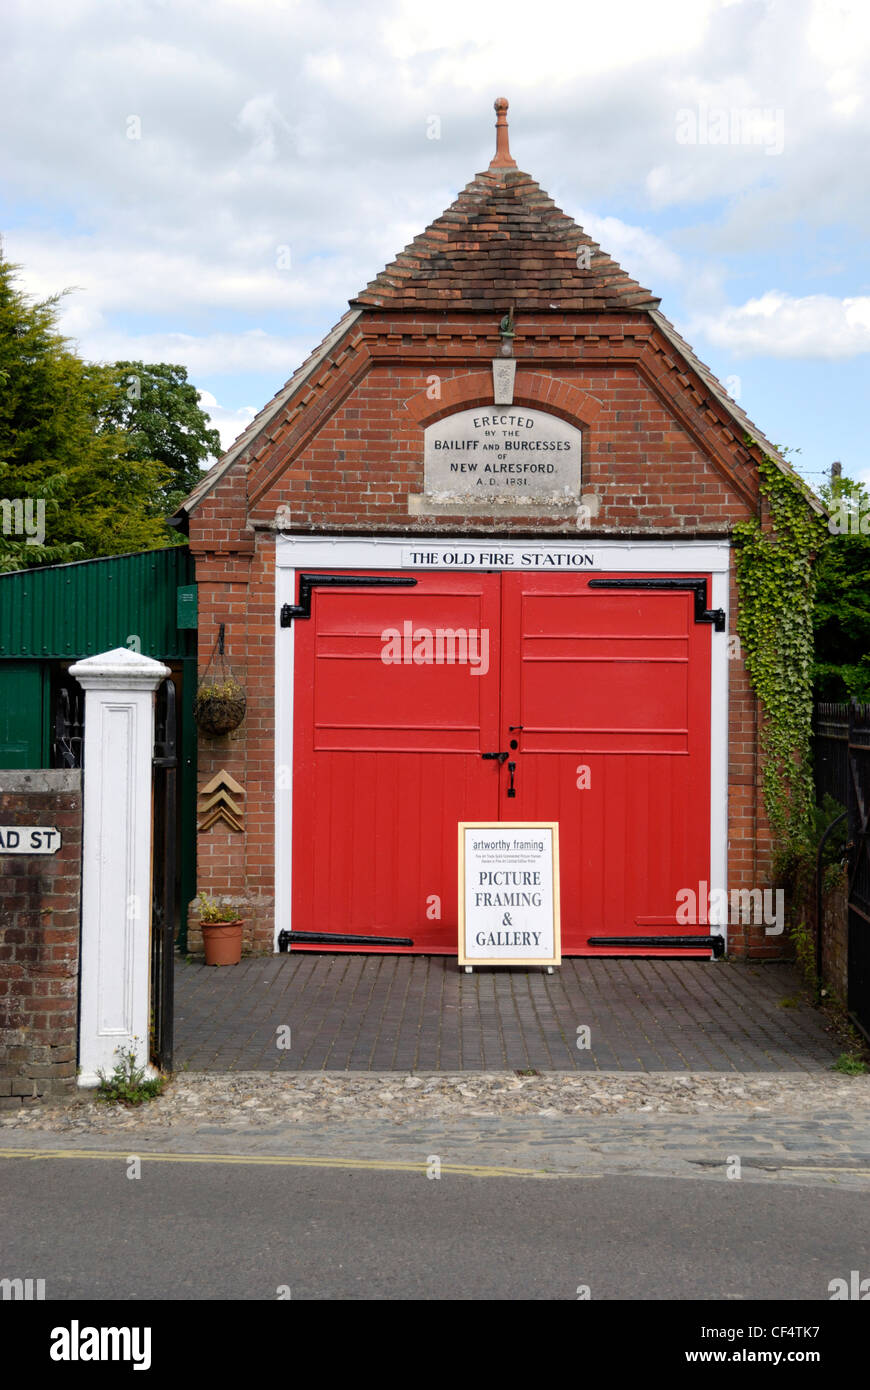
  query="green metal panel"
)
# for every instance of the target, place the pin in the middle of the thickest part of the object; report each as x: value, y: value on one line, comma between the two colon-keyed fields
x: 23, y: 726
x: 92, y: 606
x: 66, y: 612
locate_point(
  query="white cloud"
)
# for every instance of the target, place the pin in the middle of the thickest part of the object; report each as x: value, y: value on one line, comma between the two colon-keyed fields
x: 644, y: 255
x: 838, y: 35
x: 229, y: 423
x: 147, y: 277
x: 507, y: 42
x: 261, y: 119
x: 779, y: 325
x: 204, y: 355
x: 304, y: 125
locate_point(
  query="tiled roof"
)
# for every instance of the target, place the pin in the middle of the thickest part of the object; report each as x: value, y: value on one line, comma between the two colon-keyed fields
x: 504, y: 242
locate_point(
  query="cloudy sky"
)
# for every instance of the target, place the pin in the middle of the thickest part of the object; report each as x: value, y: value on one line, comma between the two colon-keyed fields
x: 216, y: 178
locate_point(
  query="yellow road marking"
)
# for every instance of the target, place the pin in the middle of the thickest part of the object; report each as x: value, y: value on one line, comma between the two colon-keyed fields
x: 806, y: 1168
x: 376, y: 1165
x: 293, y: 1161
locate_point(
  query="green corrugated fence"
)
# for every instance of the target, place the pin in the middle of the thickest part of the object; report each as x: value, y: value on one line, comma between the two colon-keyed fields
x: 92, y: 606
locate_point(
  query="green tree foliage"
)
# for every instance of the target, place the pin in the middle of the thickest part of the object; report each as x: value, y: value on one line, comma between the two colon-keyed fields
x: 93, y: 459
x: 776, y: 584
x: 158, y: 409
x: 842, y: 609
x: 97, y: 498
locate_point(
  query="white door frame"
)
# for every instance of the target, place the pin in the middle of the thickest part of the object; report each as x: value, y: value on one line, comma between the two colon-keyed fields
x: 386, y: 553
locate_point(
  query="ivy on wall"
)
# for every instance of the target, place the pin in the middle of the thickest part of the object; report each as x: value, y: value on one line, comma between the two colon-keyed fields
x: 774, y: 565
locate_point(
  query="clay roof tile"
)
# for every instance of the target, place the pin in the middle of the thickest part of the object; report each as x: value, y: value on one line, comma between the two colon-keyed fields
x: 503, y: 233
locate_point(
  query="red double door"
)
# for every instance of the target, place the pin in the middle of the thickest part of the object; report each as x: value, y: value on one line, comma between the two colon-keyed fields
x: 600, y: 698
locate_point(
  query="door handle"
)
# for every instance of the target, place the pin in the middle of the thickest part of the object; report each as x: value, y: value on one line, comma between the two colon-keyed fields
x: 499, y: 757
x: 511, y: 791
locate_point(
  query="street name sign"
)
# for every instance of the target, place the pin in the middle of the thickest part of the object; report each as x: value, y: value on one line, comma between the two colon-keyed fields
x: 29, y: 839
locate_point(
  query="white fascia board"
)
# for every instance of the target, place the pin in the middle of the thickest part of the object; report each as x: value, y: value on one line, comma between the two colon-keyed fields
x: 385, y: 552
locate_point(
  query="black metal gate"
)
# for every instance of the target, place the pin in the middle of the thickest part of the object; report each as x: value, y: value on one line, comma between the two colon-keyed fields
x: 164, y: 906
x: 858, y: 807
x: 67, y: 721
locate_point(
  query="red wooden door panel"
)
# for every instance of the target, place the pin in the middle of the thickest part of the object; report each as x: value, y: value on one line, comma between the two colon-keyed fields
x: 612, y: 689
x: 399, y: 691
x: 396, y: 697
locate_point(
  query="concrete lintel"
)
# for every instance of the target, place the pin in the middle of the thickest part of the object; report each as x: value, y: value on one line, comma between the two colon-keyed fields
x: 51, y: 780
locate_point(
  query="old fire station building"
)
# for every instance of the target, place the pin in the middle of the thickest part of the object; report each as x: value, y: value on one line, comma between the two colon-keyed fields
x: 490, y: 514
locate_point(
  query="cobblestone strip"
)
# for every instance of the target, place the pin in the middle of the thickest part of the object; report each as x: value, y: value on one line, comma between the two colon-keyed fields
x: 822, y: 1100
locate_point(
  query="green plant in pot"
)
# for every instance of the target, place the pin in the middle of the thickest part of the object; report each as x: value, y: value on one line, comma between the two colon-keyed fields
x: 221, y: 929
x: 219, y: 705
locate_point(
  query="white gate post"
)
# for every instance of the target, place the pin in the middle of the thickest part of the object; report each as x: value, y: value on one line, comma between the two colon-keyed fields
x: 116, y: 857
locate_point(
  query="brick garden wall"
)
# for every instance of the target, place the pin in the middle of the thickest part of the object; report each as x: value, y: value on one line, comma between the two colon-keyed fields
x: 39, y: 940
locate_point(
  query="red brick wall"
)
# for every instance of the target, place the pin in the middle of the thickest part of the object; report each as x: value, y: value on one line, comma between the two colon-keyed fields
x: 39, y: 940
x: 662, y: 456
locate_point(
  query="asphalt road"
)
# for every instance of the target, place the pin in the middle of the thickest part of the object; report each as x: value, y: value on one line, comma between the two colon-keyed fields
x: 227, y: 1229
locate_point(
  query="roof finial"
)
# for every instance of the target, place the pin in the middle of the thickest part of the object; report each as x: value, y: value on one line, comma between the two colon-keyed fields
x: 502, y: 157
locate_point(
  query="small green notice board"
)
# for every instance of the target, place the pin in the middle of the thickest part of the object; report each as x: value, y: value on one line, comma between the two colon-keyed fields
x: 186, y: 606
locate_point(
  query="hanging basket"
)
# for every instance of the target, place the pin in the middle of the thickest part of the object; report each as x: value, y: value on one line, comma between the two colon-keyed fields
x: 220, y: 702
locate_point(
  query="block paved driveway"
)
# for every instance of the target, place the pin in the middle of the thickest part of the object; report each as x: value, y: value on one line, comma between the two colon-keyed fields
x: 404, y: 1013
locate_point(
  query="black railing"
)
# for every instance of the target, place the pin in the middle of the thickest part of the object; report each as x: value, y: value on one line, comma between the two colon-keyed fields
x: 67, y: 721
x: 858, y: 806
x: 164, y: 907
x: 841, y: 759
x: 830, y: 750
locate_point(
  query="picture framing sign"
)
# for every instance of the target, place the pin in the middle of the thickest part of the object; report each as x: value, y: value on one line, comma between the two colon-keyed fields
x: 509, y: 893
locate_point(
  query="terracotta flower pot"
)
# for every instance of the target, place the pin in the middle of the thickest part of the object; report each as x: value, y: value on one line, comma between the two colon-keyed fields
x: 222, y: 942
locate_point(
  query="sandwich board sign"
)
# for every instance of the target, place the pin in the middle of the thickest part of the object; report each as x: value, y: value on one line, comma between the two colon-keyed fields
x: 509, y: 893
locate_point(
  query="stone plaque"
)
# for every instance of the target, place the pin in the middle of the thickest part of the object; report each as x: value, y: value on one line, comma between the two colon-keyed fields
x: 507, y: 457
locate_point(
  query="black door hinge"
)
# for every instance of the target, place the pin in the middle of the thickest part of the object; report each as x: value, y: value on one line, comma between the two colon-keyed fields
x: 307, y: 582
x: 698, y: 586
